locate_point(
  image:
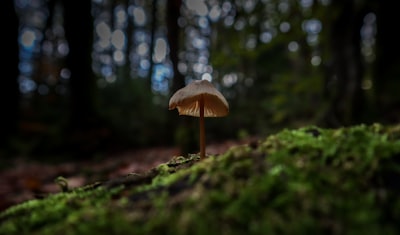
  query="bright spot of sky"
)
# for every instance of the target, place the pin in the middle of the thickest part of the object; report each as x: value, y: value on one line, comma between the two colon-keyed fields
x: 160, y: 77
x: 214, y: 13
x: 306, y: 3
x: 26, y: 85
x: 142, y: 49
x: 197, y: 6
x: 118, y: 39
x: 119, y: 57
x: 203, y: 59
x: 25, y: 67
x: 182, y: 67
x: 121, y: 16
x: 226, y: 6
x: 293, y: 46
x: 367, y: 32
x: 139, y: 16
x: 106, y: 70
x: 144, y: 64
x: 206, y: 76
x: 63, y: 48
x: 251, y: 42
x: 240, y: 24
x: 141, y: 36
x: 283, y: 7
x: 160, y: 50
x: 203, y: 22
x: 265, y: 37
x: 65, y: 73
x: 103, y: 31
x: 316, y: 60
x: 199, y: 43
x: 249, y: 5
x: 284, y: 27
x: 28, y: 38
x: 228, y: 21
x: 229, y: 79
x: 312, y: 26
x: 199, y: 67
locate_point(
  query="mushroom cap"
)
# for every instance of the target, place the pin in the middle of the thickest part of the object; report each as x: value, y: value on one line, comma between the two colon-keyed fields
x: 187, y: 100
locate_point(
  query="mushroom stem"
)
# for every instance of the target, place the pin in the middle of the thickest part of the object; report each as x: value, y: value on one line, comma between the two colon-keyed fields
x: 202, y: 131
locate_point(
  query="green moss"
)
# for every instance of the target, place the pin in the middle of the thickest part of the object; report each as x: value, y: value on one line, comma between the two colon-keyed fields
x: 47, y: 213
x: 304, y: 181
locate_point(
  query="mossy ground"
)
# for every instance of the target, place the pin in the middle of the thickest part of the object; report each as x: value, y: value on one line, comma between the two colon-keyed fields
x: 303, y: 181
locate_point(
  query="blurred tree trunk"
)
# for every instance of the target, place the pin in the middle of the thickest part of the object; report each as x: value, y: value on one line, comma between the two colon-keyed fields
x: 9, y: 91
x: 152, y: 40
x: 173, y: 34
x: 83, y: 122
x: 79, y: 34
x: 185, y: 131
x: 387, y: 72
x: 129, y: 39
x: 344, y: 92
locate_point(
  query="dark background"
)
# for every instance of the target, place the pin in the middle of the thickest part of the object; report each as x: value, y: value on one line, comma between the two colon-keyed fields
x: 80, y: 78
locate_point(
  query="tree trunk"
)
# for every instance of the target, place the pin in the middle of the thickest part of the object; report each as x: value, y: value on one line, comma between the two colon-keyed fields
x: 387, y: 72
x: 173, y: 14
x: 185, y: 130
x: 345, y: 93
x: 85, y: 131
x: 9, y: 91
x: 79, y: 34
x: 152, y: 40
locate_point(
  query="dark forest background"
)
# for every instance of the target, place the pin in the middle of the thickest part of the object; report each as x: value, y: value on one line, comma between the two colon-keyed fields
x: 82, y: 77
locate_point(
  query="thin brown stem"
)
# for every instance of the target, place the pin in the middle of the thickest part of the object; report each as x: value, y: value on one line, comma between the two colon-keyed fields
x: 202, y: 131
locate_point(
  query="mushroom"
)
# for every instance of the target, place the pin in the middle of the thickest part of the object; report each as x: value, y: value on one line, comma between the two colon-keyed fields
x: 199, y: 99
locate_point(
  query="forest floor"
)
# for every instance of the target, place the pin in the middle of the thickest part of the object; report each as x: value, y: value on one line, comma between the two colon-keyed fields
x: 26, y: 179
x: 297, y: 181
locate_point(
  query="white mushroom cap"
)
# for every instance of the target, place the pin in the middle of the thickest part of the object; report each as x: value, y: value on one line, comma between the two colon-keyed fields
x: 187, y: 100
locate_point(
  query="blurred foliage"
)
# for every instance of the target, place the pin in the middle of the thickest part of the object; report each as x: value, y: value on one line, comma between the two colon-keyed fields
x: 134, y: 112
x: 273, y: 60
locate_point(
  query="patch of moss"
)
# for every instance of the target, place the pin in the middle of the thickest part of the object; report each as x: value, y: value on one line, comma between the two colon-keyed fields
x: 303, y: 181
x: 44, y: 214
